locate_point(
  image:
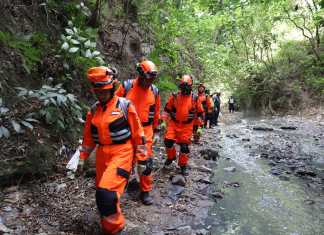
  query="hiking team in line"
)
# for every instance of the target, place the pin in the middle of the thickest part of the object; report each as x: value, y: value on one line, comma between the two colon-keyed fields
x: 124, y: 124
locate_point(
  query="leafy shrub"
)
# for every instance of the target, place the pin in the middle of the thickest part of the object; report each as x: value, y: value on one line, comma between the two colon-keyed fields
x: 30, y: 47
x: 165, y: 84
x: 79, y: 48
x: 59, y: 108
x: 18, y: 125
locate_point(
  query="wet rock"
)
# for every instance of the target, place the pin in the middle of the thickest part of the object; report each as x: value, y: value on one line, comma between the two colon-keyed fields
x: 284, y: 177
x: 202, y: 232
x: 209, y: 154
x: 264, y: 155
x: 305, y: 172
x: 218, y: 195
x: 232, y: 184
x: 262, y: 128
x: 204, y: 169
x: 276, y: 171
x: 180, y: 227
x: 205, y: 181
x: 288, y: 127
x: 175, y: 191
x: 230, y: 169
x: 272, y: 163
x: 309, y: 202
x: 179, y: 180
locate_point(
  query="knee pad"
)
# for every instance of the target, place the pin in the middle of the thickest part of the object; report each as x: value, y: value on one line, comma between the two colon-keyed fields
x: 184, y: 148
x: 168, y: 143
x: 106, y: 201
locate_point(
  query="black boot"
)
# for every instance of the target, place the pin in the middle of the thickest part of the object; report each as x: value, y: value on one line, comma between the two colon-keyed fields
x: 183, y: 170
x: 168, y: 162
x: 146, y: 198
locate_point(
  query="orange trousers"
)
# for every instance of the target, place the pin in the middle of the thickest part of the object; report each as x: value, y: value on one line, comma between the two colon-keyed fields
x: 113, y: 167
x: 146, y: 181
x: 181, y: 134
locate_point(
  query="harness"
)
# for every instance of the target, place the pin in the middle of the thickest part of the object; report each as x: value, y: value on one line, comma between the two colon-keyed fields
x: 128, y: 84
x: 191, y: 114
x: 119, y: 129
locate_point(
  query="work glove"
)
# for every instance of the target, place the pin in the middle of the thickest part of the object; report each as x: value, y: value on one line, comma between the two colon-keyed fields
x: 199, y: 131
x: 156, y: 138
x: 163, y: 125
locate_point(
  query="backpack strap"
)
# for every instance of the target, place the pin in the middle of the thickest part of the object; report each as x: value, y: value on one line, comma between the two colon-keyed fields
x: 123, y: 104
x: 93, y: 108
x: 155, y: 90
x: 128, y: 84
x: 194, y: 97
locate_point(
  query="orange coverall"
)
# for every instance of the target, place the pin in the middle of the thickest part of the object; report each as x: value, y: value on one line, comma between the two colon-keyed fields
x: 199, y: 122
x: 183, y: 109
x: 117, y: 131
x: 147, y: 105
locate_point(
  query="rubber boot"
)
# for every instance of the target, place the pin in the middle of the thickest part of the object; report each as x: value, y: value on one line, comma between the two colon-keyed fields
x: 146, y: 198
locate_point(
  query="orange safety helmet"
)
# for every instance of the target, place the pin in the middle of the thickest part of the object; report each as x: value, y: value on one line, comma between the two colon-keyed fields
x: 186, y: 79
x: 102, y: 77
x: 146, y: 69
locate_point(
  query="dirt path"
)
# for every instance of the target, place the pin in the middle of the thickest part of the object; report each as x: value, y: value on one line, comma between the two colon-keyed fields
x: 67, y: 206
x: 247, y: 177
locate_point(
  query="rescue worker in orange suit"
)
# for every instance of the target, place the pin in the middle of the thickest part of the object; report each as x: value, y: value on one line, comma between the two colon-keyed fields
x: 146, y: 99
x: 114, y: 127
x: 198, y: 122
x: 208, y: 108
x: 182, y: 108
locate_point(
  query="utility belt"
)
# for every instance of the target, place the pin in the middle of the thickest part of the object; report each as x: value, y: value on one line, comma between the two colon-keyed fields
x: 116, y: 143
x: 148, y: 123
x: 182, y: 122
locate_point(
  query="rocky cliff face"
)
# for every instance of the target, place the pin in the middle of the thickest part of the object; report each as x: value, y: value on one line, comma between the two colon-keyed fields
x: 30, y: 58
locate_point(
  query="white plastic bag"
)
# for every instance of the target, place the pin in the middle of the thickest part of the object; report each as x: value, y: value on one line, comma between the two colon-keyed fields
x: 74, y: 161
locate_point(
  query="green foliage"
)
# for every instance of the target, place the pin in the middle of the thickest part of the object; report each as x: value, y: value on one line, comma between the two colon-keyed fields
x: 255, y: 49
x: 59, y: 109
x: 18, y: 125
x: 78, y: 47
x: 165, y: 84
x: 30, y: 47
